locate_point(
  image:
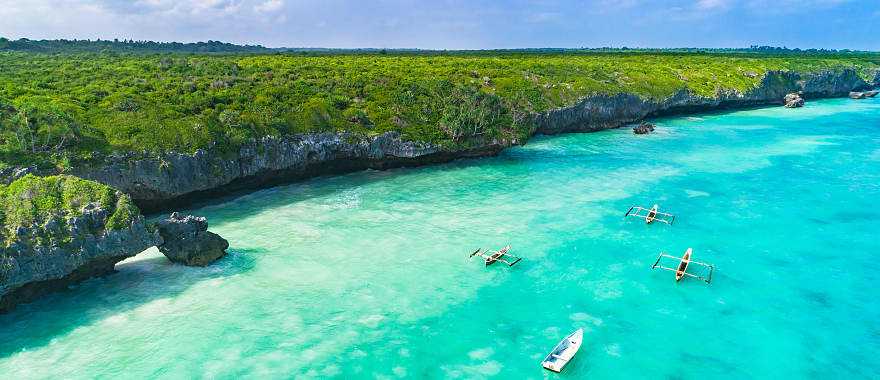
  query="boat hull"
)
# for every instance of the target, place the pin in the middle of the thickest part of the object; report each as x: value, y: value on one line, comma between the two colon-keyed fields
x: 652, y: 215
x: 682, y: 266
x: 564, y: 352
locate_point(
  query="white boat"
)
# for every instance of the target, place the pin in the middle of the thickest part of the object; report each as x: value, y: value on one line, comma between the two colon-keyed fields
x: 564, y: 351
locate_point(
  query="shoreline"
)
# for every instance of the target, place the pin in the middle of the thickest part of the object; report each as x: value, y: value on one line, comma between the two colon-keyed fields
x: 167, y: 182
x: 226, y: 194
x: 176, y: 181
x: 173, y: 181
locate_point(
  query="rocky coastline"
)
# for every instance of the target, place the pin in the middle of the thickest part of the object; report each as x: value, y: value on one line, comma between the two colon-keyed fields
x: 34, y: 263
x: 174, y: 180
x: 31, y: 265
x: 170, y: 181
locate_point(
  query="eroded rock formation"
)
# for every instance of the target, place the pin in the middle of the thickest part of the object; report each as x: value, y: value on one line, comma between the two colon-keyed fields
x: 187, y: 240
x: 33, y: 265
x: 611, y: 111
x: 793, y: 100
x: 644, y: 128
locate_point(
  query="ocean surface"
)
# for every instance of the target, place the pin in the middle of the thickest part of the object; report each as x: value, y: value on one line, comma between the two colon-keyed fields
x: 367, y: 275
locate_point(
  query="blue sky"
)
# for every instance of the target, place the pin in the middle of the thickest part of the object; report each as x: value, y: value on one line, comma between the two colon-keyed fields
x: 456, y: 24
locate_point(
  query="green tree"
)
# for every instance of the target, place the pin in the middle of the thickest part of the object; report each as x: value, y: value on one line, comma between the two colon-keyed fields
x: 41, y: 126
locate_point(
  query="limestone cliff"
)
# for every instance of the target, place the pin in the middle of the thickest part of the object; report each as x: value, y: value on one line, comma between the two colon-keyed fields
x: 32, y: 265
x: 59, y: 230
x: 159, y: 183
x: 163, y: 182
x: 611, y: 111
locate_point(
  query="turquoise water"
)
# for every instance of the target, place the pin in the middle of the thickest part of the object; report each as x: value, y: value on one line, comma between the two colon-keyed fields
x: 366, y: 275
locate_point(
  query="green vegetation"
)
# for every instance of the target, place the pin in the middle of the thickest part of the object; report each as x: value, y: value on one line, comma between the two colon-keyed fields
x: 42, y: 201
x: 126, y: 46
x: 60, y: 110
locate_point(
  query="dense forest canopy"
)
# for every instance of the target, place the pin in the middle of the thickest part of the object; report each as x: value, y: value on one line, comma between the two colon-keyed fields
x: 124, y: 46
x: 65, y: 46
x: 60, y: 109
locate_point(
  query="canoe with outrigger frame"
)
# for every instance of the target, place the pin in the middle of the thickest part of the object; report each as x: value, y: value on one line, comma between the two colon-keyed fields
x: 682, y: 264
x: 650, y: 215
x: 491, y: 257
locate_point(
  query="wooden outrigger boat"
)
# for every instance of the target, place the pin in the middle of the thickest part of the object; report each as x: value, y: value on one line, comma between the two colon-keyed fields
x: 685, y: 262
x: 683, y: 265
x: 492, y: 257
x: 564, y: 351
x: 650, y: 215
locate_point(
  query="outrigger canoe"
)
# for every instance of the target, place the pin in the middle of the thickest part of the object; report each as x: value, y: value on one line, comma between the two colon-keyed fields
x: 493, y: 258
x: 683, y: 265
x: 652, y: 215
x: 564, y: 351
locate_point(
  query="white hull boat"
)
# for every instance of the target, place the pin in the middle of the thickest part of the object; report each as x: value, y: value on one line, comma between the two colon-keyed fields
x: 564, y: 351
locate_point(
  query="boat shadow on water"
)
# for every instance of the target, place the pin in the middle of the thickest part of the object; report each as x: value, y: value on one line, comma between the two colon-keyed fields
x: 136, y: 283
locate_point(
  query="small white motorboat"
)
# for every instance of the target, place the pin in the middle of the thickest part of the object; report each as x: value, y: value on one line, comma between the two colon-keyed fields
x: 564, y: 351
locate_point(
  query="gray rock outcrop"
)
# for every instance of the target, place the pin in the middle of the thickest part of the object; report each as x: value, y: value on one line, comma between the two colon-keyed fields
x: 793, y: 100
x: 603, y: 111
x: 32, y: 265
x: 158, y: 183
x: 12, y: 173
x: 187, y: 240
x: 644, y: 128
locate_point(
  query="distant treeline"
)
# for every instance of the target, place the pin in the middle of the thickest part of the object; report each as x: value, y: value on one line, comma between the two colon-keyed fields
x: 132, y: 46
x: 124, y: 46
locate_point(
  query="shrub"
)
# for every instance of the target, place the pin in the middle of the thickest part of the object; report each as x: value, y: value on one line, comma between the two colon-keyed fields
x: 32, y: 201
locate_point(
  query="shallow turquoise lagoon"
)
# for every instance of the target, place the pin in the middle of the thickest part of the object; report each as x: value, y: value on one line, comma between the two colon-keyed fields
x: 366, y: 275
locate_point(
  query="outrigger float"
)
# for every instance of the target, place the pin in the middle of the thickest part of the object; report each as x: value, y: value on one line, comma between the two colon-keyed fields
x: 491, y: 257
x: 685, y: 262
x: 650, y: 215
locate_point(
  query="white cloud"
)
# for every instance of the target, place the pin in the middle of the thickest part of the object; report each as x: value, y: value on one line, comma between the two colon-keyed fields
x: 711, y: 4
x: 447, y: 23
x: 162, y: 20
x: 269, y: 6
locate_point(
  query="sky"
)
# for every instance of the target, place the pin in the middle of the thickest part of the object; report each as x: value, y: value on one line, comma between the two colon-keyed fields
x: 455, y: 24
